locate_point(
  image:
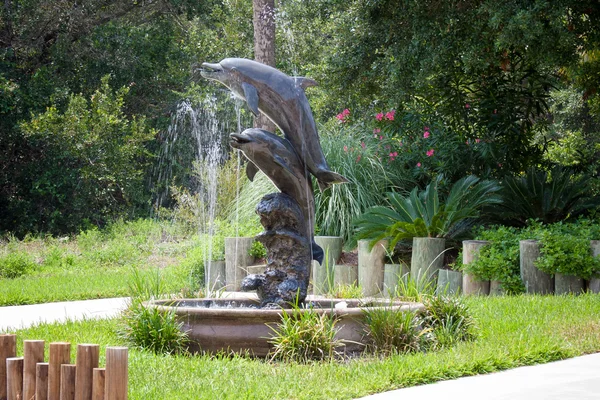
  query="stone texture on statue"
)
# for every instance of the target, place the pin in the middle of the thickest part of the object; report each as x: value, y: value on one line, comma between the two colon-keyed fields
x: 427, y: 258
x: 371, y: 266
x: 535, y: 280
x: 289, y: 253
x: 323, y: 275
x: 237, y: 258
x: 449, y: 282
x: 470, y: 284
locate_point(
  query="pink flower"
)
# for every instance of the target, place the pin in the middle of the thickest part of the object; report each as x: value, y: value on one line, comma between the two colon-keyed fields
x: 425, y: 128
x: 477, y: 140
x: 379, y: 117
x: 390, y: 115
x: 346, y: 148
x: 358, y: 158
x: 418, y: 165
x: 495, y: 111
x: 376, y: 130
x: 346, y: 112
x: 500, y: 165
x: 395, y: 154
x: 467, y: 106
x: 380, y: 137
x: 363, y: 145
x: 340, y: 117
x: 426, y: 134
x: 429, y: 152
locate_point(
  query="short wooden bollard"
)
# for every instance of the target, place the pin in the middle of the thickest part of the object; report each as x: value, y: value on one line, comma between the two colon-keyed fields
x: 68, y: 373
x: 370, y: 266
x: 345, y: 275
x: 60, y: 353
x: 87, y: 360
x: 41, y: 381
x: 449, y: 282
x: 427, y: 258
x: 14, y: 378
x: 98, y: 387
x: 470, y: 285
x: 8, y: 349
x: 535, y: 280
x: 116, y: 373
x: 33, y: 353
x: 594, y: 282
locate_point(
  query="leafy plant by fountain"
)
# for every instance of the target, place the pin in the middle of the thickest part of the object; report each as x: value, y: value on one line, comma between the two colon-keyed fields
x: 411, y: 288
x: 428, y: 213
x: 449, y: 318
x: 390, y: 331
x: 304, y: 336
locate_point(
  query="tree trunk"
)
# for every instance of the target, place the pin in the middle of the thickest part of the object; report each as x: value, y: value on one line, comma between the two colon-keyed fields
x: 264, y: 46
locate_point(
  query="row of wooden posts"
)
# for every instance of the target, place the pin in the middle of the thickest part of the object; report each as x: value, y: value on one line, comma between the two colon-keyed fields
x: 374, y: 276
x: 30, y: 378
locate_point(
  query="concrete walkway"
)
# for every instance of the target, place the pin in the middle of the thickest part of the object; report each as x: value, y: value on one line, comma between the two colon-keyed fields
x: 17, y: 317
x: 573, y: 379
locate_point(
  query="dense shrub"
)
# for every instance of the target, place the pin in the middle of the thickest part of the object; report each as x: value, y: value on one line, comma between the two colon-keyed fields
x: 15, y: 264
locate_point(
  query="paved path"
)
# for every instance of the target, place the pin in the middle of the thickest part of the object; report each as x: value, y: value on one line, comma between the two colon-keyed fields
x: 573, y: 379
x: 16, y: 317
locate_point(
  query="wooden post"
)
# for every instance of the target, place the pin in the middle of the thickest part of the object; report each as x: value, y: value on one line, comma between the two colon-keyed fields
x: 449, y: 282
x: 392, y: 273
x: 41, y: 381
x: 370, y: 267
x: 33, y: 353
x: 60, y: 353
x: 427, y: 258
x: 496, y: 288
x: 116, y: 373
x: 470, y: 285
x: 345, y: 275
x: 568, y: 284
x: 8, y: 349
x: 323, y: 275
x: 237, y: 258
x: 98, y: 383
x: 67, y: 381
x: 87, y: 360
x: 14, y: 378
x: 594, y: 282
x: 535, y: 280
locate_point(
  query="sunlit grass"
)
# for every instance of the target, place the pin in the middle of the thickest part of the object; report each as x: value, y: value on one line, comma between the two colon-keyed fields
x: 513, y: 331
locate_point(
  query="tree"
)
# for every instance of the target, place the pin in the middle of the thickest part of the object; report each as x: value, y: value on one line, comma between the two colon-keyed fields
x: 264, y: 45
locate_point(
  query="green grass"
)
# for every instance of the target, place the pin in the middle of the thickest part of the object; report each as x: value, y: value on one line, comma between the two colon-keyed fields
x: 98, y: 263
x: 512, y: 331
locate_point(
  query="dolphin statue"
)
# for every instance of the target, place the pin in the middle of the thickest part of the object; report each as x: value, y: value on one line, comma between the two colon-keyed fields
x: 276, y: 157
x: 281, y: 98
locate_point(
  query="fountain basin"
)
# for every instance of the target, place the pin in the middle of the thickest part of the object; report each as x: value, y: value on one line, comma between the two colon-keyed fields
x: 239, y: 326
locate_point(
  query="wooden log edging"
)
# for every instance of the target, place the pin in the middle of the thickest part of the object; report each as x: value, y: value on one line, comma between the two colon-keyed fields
x: 29, y: 377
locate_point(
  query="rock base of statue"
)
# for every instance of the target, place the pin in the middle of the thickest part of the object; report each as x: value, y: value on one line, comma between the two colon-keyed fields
x: 289, y: 253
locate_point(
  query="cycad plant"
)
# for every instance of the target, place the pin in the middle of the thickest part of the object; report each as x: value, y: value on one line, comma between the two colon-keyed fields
x: 547, y: 196
x: 428, y: 213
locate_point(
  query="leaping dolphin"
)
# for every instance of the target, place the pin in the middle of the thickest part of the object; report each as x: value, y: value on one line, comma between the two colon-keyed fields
x: 276, y: 157
x: 281, y: 98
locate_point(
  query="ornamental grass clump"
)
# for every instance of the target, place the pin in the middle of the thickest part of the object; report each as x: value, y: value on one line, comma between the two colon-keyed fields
x: 449, y: 319
x: 305, y: 335
x: 391, y: 331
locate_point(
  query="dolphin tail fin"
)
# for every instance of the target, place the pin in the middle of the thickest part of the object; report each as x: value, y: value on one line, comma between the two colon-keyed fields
x: 328, y: 178
x: 317, y: 252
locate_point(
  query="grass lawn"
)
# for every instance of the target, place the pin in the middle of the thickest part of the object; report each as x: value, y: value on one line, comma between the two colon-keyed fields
x: 99, y: 264
x: 513, y: 331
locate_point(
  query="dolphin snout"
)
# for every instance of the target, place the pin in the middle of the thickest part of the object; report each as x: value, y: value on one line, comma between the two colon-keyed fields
x: 237, y: 140
x: 207, y: 70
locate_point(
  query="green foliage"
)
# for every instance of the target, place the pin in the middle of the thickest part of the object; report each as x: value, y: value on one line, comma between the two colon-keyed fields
x: 450, y: 319
x: 348, y: 291
x: 548, y: 196
x: 257, y: 250
x: 391, y: 331
x: 426, y: 213
x: 90, y: 162
x: 417, y: 289
x: 15, y: 264
x: 152, y: 329
x: 305, y: 335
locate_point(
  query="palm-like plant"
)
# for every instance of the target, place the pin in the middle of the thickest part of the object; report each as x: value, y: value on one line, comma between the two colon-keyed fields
x: 548, y: 196
x: 427, y: 213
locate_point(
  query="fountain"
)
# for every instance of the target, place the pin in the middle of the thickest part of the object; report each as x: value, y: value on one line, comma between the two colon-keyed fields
x: 287, y: 217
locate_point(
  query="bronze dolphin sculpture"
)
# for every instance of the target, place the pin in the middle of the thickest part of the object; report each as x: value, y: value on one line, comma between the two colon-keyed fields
x: 281, y: 98
x: 276, y: 157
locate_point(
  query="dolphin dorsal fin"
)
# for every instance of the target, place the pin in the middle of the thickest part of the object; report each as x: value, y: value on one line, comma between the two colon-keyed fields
x: 304, y: 82
x: 251, y: 170
x: 251, y: 95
